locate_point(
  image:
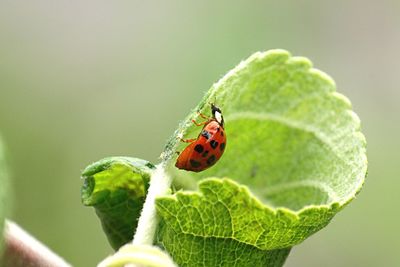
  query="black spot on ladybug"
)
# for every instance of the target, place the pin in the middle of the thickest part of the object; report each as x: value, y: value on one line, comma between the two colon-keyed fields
x: 222, y: 146
x: 222, y: 133
x: 214, y: 144
x: 211, y: 160
x: 219, y: 128
x: 206, y: 134
x: 205, y: 154
x: 199, y: 148
x: 195, y: 163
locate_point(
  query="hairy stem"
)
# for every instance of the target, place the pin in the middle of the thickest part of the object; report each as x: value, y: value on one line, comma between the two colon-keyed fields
x: 159, y: 185
x: 23, y: 250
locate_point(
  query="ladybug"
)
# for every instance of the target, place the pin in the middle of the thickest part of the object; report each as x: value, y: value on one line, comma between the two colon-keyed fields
x: 204, y: 151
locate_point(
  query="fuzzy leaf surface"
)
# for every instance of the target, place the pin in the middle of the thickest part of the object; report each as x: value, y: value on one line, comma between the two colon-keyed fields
x: 295, y: 144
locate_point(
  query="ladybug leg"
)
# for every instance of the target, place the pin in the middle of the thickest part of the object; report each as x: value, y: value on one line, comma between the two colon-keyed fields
x: 199, y: 124
x: 180, y: 137
x: 202, y: 115
x: 188, y: 140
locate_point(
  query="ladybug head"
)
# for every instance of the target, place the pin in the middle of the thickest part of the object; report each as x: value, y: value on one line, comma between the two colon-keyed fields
x: 217, y: 114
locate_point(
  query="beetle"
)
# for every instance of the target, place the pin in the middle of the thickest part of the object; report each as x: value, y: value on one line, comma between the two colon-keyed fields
x: 205, y: 150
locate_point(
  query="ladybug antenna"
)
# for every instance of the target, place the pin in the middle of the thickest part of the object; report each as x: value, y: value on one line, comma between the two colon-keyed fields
x: 212, y: 103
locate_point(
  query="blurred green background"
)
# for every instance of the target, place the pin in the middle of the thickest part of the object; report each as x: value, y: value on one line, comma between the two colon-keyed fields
x: 82, y: 80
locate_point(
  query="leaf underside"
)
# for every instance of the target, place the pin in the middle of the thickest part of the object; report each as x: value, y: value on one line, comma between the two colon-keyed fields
x: 116, y: 187
x: 291, y: 139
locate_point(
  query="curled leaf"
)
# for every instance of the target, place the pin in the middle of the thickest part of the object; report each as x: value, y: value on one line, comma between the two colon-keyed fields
x: 116, y: 187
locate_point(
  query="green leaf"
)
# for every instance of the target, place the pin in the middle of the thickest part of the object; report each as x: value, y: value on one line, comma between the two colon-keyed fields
x: 222, y: 231
x: 291, y: 139
x: 4, y: 189
x: 116, y: 187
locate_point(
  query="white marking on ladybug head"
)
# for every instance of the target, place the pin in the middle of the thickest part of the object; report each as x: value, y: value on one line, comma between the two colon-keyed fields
x: 218, y: 117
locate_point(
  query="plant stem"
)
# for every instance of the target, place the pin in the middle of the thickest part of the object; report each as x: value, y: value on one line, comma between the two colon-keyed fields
x: 23, y: 250
x: 159, y: 185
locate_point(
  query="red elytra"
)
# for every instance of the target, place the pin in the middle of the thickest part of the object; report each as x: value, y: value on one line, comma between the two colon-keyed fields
x: 209, y: 146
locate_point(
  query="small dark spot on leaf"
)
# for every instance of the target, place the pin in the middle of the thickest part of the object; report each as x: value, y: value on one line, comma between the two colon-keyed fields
x: 150, y: 165
x: 254, y: 171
